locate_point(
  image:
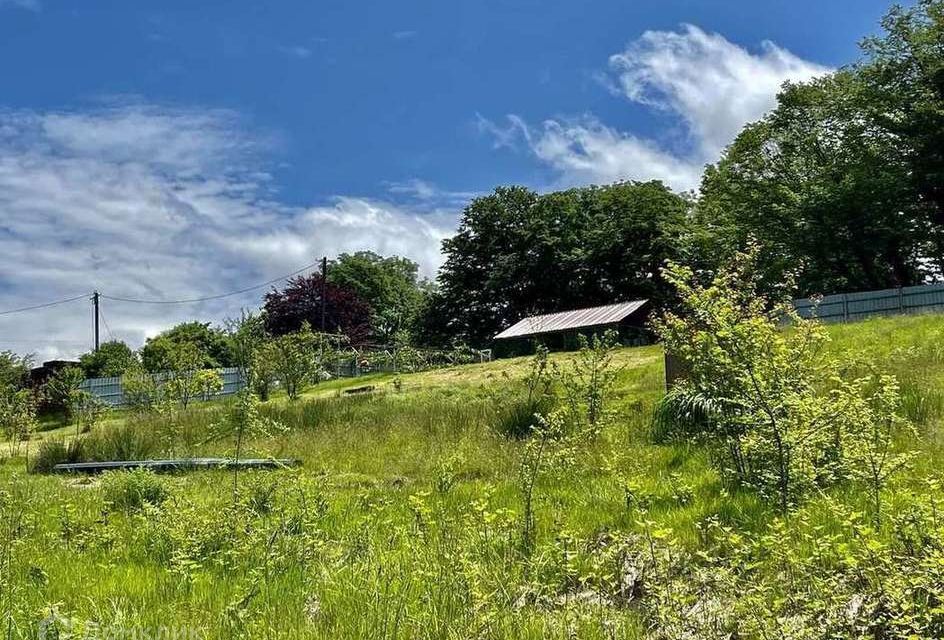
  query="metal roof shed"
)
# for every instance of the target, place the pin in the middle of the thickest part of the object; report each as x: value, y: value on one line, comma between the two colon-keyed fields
x: 557, y: 327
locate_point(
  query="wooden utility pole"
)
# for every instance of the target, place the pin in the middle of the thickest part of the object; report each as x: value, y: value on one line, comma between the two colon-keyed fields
x: 324, y: 290
x: 95, y: 305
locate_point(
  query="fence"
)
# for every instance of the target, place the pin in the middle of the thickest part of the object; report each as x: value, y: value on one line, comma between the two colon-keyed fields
x: 110, y: 391
x: 849, y: 307
x: 404, y: 361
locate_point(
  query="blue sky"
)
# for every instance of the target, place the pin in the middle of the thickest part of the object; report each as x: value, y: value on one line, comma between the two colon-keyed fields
x: 175, y: 149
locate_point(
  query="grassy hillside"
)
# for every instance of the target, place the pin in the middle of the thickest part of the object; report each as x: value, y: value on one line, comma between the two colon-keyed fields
x: 405, y: 519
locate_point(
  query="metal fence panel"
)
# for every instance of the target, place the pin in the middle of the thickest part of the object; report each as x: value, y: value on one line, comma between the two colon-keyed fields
x: 849, y: 307
x: 109, y: 390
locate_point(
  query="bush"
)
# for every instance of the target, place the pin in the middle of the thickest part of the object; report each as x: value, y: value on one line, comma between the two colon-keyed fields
x: 124, y: 442
x: 53, y: 452
x: 779, y: 408
x: 141, y: 392
x: 517, y: 418
x: 132, y: 490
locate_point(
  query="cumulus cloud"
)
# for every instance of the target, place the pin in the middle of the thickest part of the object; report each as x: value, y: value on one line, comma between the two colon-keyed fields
x: 712, y: 86
x: 140, y: 201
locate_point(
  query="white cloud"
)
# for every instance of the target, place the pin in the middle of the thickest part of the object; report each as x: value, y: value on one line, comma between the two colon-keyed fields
x: 711, y: 86
x: 298, y: 51
x: 431, y: 194
x: 32, y: 5
x: 145, y: 202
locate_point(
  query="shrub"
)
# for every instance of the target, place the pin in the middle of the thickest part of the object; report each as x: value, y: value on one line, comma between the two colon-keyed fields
x: 53, y: 452
x: 517, y: 417
x: 121, y: 442
x: 587, y: 382
x: 683, y: 414
x: 209, y: 382
x: 17, y: 417
x: 132, y: 490
x: 774, y: 402
x: 141, y: 392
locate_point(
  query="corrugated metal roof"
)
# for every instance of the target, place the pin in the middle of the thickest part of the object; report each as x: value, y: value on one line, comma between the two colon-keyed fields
x: 594, y: 316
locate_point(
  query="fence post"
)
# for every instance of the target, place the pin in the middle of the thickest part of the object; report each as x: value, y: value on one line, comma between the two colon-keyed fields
x: 901, y: 301
x: 845, y: 307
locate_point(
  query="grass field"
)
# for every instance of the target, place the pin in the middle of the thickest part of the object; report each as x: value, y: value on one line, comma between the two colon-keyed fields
x: 404, y: 520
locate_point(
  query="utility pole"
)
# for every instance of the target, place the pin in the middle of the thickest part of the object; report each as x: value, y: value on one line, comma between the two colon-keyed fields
x: 95, y: 304
x: 324, y: 290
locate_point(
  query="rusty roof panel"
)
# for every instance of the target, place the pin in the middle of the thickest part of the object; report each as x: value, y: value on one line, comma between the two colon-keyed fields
x: 564, y: 320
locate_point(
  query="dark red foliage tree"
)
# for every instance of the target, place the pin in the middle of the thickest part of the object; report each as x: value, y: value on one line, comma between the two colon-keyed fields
x: 300, y: 301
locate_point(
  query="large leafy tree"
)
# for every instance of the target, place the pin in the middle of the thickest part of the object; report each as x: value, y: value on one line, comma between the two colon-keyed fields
x: 518, y: 252
x: 904, y: 73
x: 822, y: 188
x: 14, y: 370
x: 112, y: 359
x: 844, y: 181
x: 209, y: 343
x: 389, y: 285
x: 309, y: 299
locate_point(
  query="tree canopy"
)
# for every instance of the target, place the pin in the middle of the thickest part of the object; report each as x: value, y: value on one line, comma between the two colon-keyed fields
x: 209, y: 343
x: 112, y: 359
x: 842, y: 181
x: 390, y: 286
x: 14, y: 370
x: 287, y: 310
x: 518, y: 252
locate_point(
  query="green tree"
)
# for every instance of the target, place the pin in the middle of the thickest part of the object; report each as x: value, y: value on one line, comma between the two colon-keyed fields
x: 211, y: 345
x: 823, y: 189
x: 517, y: 253
x: 62, y: 390
x: 81, y: 407
x: 779, y: 407
x: 141, y: 393
x: 112, y: 359
x: 297, y: 359
x: 245, y: 335
x: 389, y: 285
x: 844, y: 180
x: 14, y: 369
x: 183, y: 370
x: 904, y: 75
x: 263, y: 371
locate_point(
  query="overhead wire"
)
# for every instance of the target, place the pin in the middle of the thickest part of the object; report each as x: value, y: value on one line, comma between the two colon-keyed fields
x: 213, y: 297
x: 44, y: 305
x: 105, y: 322
x: 219, y: 296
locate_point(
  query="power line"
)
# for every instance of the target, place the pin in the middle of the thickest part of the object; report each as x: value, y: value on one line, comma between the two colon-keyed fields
x: 43, y: 305
x: 105, y: 322
x: 53, y: 303
x: 62, y: 342
x: 216, y: 297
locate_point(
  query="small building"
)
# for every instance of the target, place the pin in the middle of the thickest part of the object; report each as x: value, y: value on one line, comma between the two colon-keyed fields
x: 40, y: 375
x: 560, y: 331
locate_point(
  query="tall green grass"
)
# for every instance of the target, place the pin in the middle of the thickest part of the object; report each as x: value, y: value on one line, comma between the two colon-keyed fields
x: 404, y: 519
